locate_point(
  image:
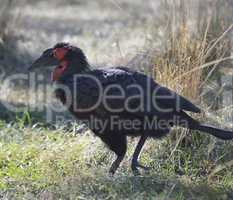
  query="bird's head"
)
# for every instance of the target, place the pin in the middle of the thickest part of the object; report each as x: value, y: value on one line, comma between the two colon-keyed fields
x: 68, y: 60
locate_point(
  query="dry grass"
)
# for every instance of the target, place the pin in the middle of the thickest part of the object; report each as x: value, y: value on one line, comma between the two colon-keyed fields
x: 182, y: 54
x: 190, y: 57
x: 183, y: 65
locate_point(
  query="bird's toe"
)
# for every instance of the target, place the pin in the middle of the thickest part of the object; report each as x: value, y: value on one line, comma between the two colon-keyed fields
x: 144, y: 167
x: 136, y: 172
x: 136, y: 165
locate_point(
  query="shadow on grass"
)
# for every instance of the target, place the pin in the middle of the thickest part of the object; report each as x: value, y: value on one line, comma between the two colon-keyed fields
x: 131, y: 187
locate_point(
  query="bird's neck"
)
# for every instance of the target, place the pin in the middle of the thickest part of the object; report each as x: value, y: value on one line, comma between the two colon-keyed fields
x: 78, y: 67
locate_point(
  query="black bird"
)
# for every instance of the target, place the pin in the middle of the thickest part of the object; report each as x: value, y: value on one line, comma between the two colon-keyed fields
x: 118, y: 102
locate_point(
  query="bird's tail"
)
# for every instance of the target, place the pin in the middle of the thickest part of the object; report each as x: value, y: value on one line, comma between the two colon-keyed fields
x: 217, y: 132
x: 195, y: 125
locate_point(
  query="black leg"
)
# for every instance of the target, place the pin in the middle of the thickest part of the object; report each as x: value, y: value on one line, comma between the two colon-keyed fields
x: 135, y: 164
x: 116, y: 164
x: 118, y: 144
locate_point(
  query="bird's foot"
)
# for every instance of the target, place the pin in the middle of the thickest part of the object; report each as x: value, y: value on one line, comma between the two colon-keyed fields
x: 136, y: 165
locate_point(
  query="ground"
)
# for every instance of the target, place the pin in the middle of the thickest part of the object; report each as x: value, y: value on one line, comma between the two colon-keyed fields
x: 40, y: 162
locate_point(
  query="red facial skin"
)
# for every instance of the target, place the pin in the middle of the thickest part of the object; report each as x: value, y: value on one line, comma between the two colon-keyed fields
x: 59, y: 54
x: 58, y: 71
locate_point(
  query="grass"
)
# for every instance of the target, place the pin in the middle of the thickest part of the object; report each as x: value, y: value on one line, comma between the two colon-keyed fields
x: 188, y: 61
x: 39, y: 163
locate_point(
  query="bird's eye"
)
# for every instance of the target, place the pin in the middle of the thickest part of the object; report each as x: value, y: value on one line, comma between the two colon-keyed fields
x: 48, y: 53
x: 54, y: 53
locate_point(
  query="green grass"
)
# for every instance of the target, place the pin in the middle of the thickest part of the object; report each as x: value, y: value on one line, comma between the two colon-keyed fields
x: 39, y: 163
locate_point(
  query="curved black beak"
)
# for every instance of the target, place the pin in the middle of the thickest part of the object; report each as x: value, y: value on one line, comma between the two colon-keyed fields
x: 45, y: 60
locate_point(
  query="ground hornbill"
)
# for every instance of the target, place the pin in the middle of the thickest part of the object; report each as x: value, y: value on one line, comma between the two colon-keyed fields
x: 118, y: 102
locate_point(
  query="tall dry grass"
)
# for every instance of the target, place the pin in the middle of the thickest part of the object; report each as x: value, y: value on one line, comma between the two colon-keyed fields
x: 182, y: 54
x: 193, y: 51
x: 188, y: 62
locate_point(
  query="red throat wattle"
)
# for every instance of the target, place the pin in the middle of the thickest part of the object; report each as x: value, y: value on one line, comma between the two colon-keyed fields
x: 58, y: 71
x: 59, y: 53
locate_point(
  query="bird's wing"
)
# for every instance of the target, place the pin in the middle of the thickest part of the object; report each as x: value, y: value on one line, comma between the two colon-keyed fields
x: 164, y: 97
x: 175, y: 101
x: 121, y: 90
